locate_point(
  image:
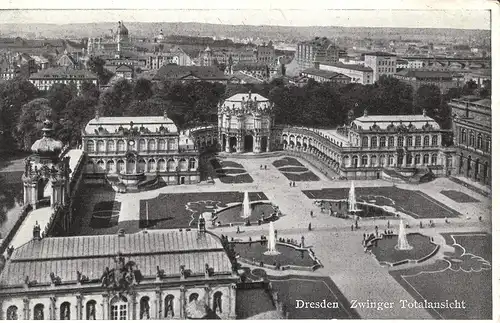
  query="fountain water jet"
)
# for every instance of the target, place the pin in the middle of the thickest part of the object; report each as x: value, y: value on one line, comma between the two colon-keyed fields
x: 271, y: 242
x: 246, y: 210
x: 402, y: 241
x: 352, y: 200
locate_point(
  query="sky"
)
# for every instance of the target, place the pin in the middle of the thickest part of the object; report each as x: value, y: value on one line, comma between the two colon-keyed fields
x: 392, y: 13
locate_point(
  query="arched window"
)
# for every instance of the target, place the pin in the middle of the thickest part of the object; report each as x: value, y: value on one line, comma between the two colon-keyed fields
x: 119, y: 308
x: 381, y: 161
x: 141, y: 167
x: 169, y: 306
x: 409, y: 159
x: 426, y: 141
x: 110, y: 146
x: 121, y: 146
x: 65, y: 311
x: 417, y: 159
x: 480, y: 141
x: 144, y: 308
x: 355, y: 161
x: 151, y: 145
x: 100, y: 146
x: 391, y: 142
x: 183, y: 164
x: 151, y: 166
x: 193, y: 297
x: 418, y: 141
x: 374, y: 142
x: 171, y: 165
x: 101, y: 167
x: 391, y: 160
x: 217, y: 304
x: 435, y: 140
x: 373, y: 160
x: 192, y: 163
x: 120, y: 166
x: 142, y: 145
x: 434, y: 159
x: 162, y: 166
x: 400, y: 141
x: 382, y: 141
x: 110, y: 166
x: 463, y: 138
x: 90, y: 310
x: 488, y: 145
x: 38, y: 312
x: 409, y: 141
x: 471, y: 139
x: 364, y: 142
x: 161, y: 145
x: 90, y: 146
x: 426, y: 159
x: 12, y: 313
x: 364, y: 160
x: 90, y: 167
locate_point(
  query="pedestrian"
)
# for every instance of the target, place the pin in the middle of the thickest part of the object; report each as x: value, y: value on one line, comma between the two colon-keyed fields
x: 388, y: 224
x: 238, y: 229
x: 364, y: 236
x: 480, y: 218
x: 352, y: 227
x: 312, y: 214
x: 265, y: 167
x: 290, y: 184
x: 294, y: 184
x: 310, y: 226
x: 421, y: 225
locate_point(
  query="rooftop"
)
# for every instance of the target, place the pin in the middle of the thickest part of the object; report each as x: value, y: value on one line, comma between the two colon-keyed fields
x: 63, y: 72
x: 112, y: 124
x: 354, y: 67
x: 385, y: 54
x: 323, y: 73
x: 90, y: 255
x: 384, y: 121
x: 179, y: 72
x: 424, y: 74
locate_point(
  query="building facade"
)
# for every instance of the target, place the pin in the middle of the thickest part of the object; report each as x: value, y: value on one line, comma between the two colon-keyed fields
x: 139, y: 151
x: 416, y: 78
x: 323, y: 76
x: 44, y: 79
x: 161, y: 274
x: 245, y: 122
x: 356, y: 73
x: 472, y: 138
x: 316, y: 50
x: 381, y: 63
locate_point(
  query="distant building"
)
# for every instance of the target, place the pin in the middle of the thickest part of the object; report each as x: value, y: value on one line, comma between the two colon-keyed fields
x: 443, y: 80
x: 323, y: 76
x: 356, y: 73
x: 44, y: 79
x: 381, y: 63
x: 317, y: 50
x: 472, y: 135
x: 190, y: 74
x: 66, y: 60
x: 401, y: 64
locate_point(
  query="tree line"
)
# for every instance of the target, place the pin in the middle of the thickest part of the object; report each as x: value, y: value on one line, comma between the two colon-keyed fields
x: 23, y: 108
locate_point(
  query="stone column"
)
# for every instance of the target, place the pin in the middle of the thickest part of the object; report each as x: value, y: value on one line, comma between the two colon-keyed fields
x: 232, y: 302
x: 256, y: 146
x: 182, y: 301
x: 404, y: 159
x: 158, y: 310
x: 239, y: 144
x: 133, y: 305
x: 268, y: 148
x: 208, y: 289
x: 105, y: 307
x: 228, y: 145
x: 26, y: 308
x: 79, y: 307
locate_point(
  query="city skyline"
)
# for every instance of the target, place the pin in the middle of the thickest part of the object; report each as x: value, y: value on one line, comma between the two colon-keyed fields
x: 400, y: 18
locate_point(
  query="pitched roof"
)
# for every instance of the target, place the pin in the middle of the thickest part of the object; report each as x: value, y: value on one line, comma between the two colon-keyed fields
x: 323, y: 73
x: 176, y: 72
x: 354, y: 67
x: 379, y: 54
x: 62, y: 73
x: 424, y: 74
x: 383, y: 121
x: 64, y: 256
x: 246, y: 78
x: 112, y: 124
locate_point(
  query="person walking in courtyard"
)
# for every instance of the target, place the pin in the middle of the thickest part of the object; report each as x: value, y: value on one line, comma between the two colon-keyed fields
x: 238, y: 229
x: 388, y: 224
x: 310, y: 226
x: 302, y: 240
x: 261, y: 167
x: 352, y: 227
x: 480, y: 218
x: 312, y: 215
x: 265, y: 167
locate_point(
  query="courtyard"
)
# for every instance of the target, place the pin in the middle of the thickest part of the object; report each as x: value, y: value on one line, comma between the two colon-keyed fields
x: 331, y: 238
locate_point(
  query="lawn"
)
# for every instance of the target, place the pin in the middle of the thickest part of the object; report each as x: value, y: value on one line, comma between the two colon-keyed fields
x: 236, y: 179
x: 459, y: 197
x: 291, y: 288
x: 182, y: 210
x: 302, y: 177
x: 224, y: 171
x: 287, y: 161
x: 293, y: 169
x: 230, y: 172
x: 463, y: 275
x: 415, y: 203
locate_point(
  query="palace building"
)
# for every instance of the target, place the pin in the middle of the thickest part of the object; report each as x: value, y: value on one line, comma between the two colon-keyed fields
x: 157, y: 274
x: 138, y: 152
x: 245, y: 122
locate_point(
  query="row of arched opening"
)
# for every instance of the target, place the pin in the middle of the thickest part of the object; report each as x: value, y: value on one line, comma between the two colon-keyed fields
x: 101, y: 146
x: 140, y: 166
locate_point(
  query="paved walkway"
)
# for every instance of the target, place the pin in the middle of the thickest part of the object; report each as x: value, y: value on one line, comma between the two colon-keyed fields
x: 25, y: 233
x: 357, y: 274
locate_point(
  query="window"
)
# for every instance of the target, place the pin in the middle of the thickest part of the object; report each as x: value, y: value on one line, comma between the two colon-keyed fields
x: 391, y: 142
x: 144, y: 308
x: 12, y: 313
x: 171, y: 165
x: 463, y: 138
x: 142, y: 145
x: 90, y: 146
x: 471, y: 139
x: 38, y: 312
x: 161, y: 144
x: 434, y: 159
x: 488, y: 145
x: 355, y: 161
x: 364, y: 142
x: 192, y: 163
x: 172, y: 144
x: 65, y: 310
x: 418, y: 141
x: 151, y: 145
x: 426, y: 159
x: 374, y: 142
x: 110, y: 146
x: 417, y: 159
x: 169, y: 306
x: 409, y: 159
x: 480, y: 141
x: 409, y: 141
x: 434, y: 140
x: 217, y: 305
x: 100, y: 146
x: 119, y: 311
x: 121, y: 146
x: 426, y: 141
x: 382, y: 141
x: 391, y: 160
x: 183, y: 165
x: 400, y: 141
x: 364, y: 160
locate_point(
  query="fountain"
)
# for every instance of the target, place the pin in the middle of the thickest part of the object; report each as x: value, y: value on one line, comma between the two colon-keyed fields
x: 402, y: 241
x: 352, y: 200
x: 271, y: 242
x: 246, y: 211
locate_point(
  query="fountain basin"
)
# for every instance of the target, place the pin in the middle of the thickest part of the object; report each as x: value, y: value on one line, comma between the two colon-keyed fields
x: 385, y: 251
x: 289, y: 257
x: 363, y: 210
x: 232, y: 214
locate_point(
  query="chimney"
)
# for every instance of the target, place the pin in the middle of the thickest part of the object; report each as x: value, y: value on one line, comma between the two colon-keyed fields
x: 36, y: 232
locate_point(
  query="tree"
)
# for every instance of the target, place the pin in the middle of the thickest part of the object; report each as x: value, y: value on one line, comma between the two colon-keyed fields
x: 142, y: 89
x: 33, y: 114
x: 59, y: 95
x: 90, y: 90
x: 73, y: 119
x: 96, y: 65
x: 428, y: 97
x: 115, y: 100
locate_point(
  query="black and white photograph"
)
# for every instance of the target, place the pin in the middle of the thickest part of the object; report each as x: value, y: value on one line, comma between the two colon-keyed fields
x: 247, y: 160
